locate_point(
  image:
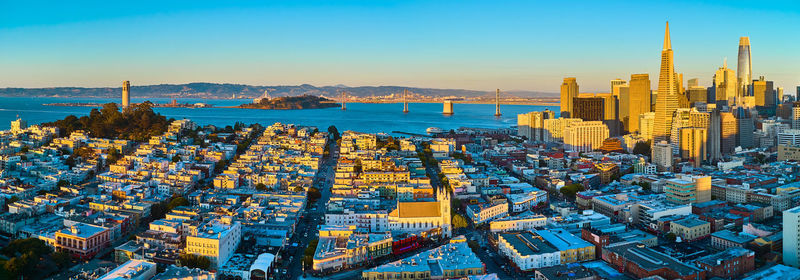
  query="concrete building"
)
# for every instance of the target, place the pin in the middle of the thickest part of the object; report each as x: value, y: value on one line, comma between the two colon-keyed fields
x: 685, y: 189
x: 522, y: 222
x: 82, y: 241
x: 786, y: 152
x: 585, y: 136
x: 764, y: 93
x: 796, y: 112
x: 422, y: 216
x: 729, y: 264
x: 789, y: 137
x: 569, y: 90
x: 528, y: 251
x: 725, y: 239
x: 531, y: 125
x: 453, y: 260
x: 588, y: 108
x: 667, y: 99
x: 729, y: 132
x: 554, y: 128
x: 693, y: 145
x: 690, y: 229
x: 662, y: 156
x: 643, y: 262
x: 646, y: 124
x: 216, y: 239
x: 481, y: 213
x: 791, y: 237
x: 725, y: 85
x: 132, y: 270
x: 637, y: 104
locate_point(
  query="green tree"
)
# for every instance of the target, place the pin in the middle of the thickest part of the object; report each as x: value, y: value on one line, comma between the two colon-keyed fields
x: 571, y: 190
x: 177, y: 201
x: 220, y: 166
x: 334, y: 132
x: 642, y: 148
x: 194, y: 261
x: 62, y: 259
x: 313, y: 194
x: 176, y: 158
x: 62, y: 183
x: 459, y: 221
x: 670, y: 237
x: 308, y: 254
x: 261, y: 187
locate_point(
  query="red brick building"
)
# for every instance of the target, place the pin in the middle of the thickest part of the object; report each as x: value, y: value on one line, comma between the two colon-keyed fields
x: 731, y: 263
x: 642, y: 262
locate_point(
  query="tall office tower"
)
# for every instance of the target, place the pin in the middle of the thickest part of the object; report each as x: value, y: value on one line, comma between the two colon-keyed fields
x: 569, y: 90
x: 796, y: 115
x: 662, y: 156
x: 667, y: 101
x: 764, y: 93
x: 699, y: 119
x: 791, y: 237
x: 615, y: 83
x: 639, y: 101
x: 728, y: 133
x: 679, y: 82
x: 714, y: 135
x: 610, y: 112
x: 624, y: 100
x: 697, y: 94
x: 531, y: 125
x: 646, y: 123
x: 744, y: 70
x: 779, y: 95
x: 725, y: 85
x: 746, y: 124
x: 497, y: 103
x: 588, y: 108
x: 126, y: 94
x: 693, y: 82
x: 797, y: 94
x: 585, y: 136
x: 680, y: 120
x: 694, y: 141
x: 788, y: 137
x: 554, y: 128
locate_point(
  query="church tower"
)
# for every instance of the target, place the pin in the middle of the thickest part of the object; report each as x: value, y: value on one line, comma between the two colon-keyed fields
x: 444, y: 209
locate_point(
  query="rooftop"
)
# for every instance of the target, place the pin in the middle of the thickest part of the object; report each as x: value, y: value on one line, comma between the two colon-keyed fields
x: 82, y: 230
x: 649, y: 259
x: 128, y: 270
x: 736, y: 237
x: 446, y: 257
x: 527, y: 244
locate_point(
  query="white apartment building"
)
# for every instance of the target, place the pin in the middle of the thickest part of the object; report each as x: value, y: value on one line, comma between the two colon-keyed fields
x: 217, y: 240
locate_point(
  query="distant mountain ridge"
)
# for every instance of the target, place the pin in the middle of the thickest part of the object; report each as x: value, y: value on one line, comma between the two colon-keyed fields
x: 215, y: 90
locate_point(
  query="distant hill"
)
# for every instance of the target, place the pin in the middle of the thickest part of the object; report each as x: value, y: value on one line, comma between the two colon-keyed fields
x: 213, y: 90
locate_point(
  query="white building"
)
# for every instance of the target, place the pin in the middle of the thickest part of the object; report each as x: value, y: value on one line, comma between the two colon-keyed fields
x: 585, y: 136
x: 217, y: 240
x: 526, y: 221
x: 132, y: 270
x: 789, y: 137
x: 420, y: 216
x: 528, y: 251
x: 791, y: 237
x: 662, y: 156
x: 484, y: 212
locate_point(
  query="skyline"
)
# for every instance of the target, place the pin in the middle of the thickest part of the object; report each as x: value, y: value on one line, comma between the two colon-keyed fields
x: 468, y: 46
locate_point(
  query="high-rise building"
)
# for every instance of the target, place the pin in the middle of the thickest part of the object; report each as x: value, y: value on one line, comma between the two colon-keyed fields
x: 746, y: 126
x: 531, y: 125
x: 693, y: 145
x: 569, y: 90
x: 693, y: 83
x: 18, y: 126
x: 764, y: 93
x: 728, y: 133
x: 126, y: 94
x: 789, y: 137
x: 779, y: 95
x: 554, y: 128
x: 638, y: 103
x: 697, y: 94
x: 714, y: 135
x: 646, y: 124
x: 791, y: 237
x: 588, y: 108
x: 667, y: 101
x: 797, y: 94
x: 615, y: 84
x: 585, y: 136
x: 725, y: 84
x: 662, y: 156
x: 744, y: 70
x: 680, y: 120
x: 796, y: 115
x: 624, y: 100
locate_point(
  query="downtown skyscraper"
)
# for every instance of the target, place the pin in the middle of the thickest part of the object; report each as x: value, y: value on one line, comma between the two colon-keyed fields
x: 744, y: 70
x: 667, y: 98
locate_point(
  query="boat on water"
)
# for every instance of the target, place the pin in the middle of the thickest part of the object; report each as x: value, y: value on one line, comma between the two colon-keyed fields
x: 433, y: 130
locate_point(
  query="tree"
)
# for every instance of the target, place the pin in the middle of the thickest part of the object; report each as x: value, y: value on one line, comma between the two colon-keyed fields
x: 220, y: 166
x: 62, y: 183
x: 571, y: 190
x: 313, y: 193
x: 62, y: 259
x: 459, y: 221
x: 642, y: 148
x: 334, y: 132
x: 261, y: 187
x: 176, y: 158
x: 308, y: 254
x: 194, y: 261
x: 671, y: 237
x: 177, y: 201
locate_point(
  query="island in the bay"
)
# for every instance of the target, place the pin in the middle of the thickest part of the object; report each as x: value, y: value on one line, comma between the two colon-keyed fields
x: 290, y: 103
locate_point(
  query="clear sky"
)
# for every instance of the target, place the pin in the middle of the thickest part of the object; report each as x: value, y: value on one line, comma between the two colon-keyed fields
x: 512, y: 45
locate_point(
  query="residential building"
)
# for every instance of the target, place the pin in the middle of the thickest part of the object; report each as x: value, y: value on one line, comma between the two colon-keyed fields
x: 585, y: 136
x: 216, y: 239
x: 791, y: 237
x: 453, y: 260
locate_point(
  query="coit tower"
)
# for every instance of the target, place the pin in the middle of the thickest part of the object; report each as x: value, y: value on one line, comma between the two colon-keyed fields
x: 126, y: 94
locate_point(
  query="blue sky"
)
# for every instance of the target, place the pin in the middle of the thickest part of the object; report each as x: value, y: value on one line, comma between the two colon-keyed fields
x: 512, y: 45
